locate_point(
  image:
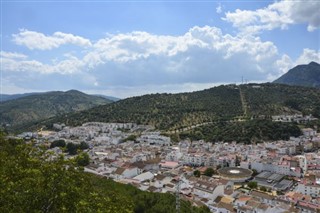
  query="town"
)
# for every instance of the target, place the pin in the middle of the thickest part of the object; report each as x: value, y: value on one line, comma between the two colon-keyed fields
x: 275, y: 176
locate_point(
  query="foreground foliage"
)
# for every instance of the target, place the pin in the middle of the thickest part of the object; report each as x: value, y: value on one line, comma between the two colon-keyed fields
x: 32, y: 181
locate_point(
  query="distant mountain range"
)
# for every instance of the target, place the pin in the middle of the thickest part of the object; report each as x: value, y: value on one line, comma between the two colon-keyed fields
x: 302, y: 75
x: 7, y: 97
x: 29, y: 108
x: 108, y: 97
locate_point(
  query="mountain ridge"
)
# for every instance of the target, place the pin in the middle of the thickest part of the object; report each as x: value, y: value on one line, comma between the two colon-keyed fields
x: 35, y: 107
x: 8, y: 97
x: 302, y: 75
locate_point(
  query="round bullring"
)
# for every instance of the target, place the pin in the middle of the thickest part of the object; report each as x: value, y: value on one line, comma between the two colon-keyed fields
x: 235, y: 174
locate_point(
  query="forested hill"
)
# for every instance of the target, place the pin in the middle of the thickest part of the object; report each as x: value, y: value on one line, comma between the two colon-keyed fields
x: 33, y: 108
x: 303, y: 75
x: 275, y: 99
x: 173, y: 111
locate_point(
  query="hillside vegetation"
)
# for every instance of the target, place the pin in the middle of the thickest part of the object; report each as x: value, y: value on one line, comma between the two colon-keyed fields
x: 33, y: 108
x: 251, y: 131
x: 174, y: 111
x: 32, y: 181
x: 216, y: 114
x: 274, y: 99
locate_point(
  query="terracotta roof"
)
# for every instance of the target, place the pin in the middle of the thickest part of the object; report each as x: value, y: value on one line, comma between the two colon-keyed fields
x: 160, y: 177
x: 263, y: 206
x: 152, y: 189
x: 226, y: 206
x: 153, y: 161
x: 244, y: 198
x: 262, y: 195
x: 119, y: 171
x: 253, y: 203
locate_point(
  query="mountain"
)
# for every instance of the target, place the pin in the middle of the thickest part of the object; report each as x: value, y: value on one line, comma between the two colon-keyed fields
x: 302, y: 75
x: 108, y: 97
x: 5, y: 97
x: 226, y: 102
x: 36, y: 107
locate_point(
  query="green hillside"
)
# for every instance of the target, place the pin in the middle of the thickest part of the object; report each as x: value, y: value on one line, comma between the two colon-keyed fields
x: 164, y: 111
x: 37, y: 107
x: 274, y: 99
x: 175, y: 111
x: 302, y: 75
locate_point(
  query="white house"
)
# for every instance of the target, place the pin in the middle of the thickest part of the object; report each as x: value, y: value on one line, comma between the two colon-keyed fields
x: 122, y: 173
x: 208, y: 190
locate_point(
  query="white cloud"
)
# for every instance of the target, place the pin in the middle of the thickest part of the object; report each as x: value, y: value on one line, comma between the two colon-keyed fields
x: 35, y: 40
x: 286, y: 63
x: 277, y: 15
x: 12, y: 55
x: 139, y: 62
x: 307, y: 56
x: 219, y: 9
x: 62, y: 67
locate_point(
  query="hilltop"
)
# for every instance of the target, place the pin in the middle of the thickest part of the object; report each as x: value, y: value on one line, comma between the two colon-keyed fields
x: 36, y: 107
x: 302, y: 75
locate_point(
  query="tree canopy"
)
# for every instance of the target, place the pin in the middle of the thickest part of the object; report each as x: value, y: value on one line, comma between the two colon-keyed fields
x: 34, y: 180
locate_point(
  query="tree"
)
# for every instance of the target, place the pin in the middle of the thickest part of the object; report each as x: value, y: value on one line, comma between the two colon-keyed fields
x: 130, y: 138
x: 32, y: 181
x: 252, y: 185
x: 197, y: 173
x: 58, y: 143
x: 83, y: 145
x: 209, y: 172
x: 238, y: 160
x: 254, y: 172
x: 83, y: 159
x: 262, y: 188
x: 72, y: 148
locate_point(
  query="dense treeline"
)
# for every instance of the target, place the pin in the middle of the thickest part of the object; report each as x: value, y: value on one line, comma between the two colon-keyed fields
x: 246, y: 131
x: 275, y: 99
x: 32, y: 181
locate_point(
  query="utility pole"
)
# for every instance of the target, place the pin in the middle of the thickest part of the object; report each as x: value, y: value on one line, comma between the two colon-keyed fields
x: 178, y: 196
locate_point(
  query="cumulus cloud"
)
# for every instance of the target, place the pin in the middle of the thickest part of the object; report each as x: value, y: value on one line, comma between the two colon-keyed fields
x: 35, y: 40
x: 68, y: 66
x: 286, y: 63
x: 13, y: 55
x: 280, y: 14
x: 201, y: 57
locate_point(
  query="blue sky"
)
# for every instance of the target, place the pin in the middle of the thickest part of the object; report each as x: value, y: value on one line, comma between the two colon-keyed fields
x: 131, y: 48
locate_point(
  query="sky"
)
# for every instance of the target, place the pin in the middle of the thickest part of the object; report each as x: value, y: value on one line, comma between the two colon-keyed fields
x: 130, y: 48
